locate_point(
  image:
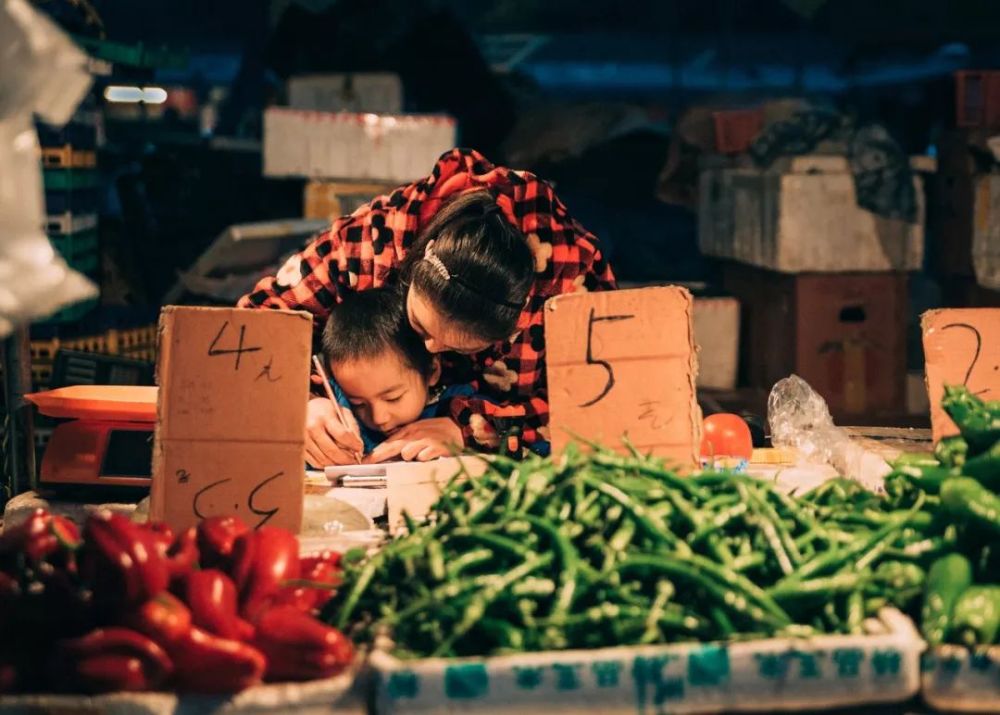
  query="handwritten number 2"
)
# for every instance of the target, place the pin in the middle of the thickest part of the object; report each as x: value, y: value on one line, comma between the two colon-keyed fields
x: 975, y: 356
x: 214, y: 351
x: 591, y: 360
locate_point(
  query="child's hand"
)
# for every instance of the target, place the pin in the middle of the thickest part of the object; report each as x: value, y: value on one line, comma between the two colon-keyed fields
x: 327, y: 442
x: 420, y: 450
x: 420, y: 441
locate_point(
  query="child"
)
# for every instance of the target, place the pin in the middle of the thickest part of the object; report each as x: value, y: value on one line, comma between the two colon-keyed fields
x: 380, y: 369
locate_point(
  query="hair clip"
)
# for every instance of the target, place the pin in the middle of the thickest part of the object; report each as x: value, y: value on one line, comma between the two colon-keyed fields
x: 436, y: 262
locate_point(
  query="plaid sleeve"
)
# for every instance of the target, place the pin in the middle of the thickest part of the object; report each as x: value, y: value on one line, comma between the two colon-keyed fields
x: 310, y: 280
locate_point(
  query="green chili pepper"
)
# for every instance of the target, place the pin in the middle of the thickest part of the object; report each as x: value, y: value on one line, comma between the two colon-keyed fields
x: 976, y: 618
x: 968, y: 500
x: 979, y: 425
x: 985, y: 468
x: 948, y: 577
x: 926, y: 478
x: 951, y: 451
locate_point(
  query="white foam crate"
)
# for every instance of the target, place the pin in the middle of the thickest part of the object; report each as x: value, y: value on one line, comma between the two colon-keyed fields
x: 346, y: 145
x: 955, y: 679
x: 342, y: 695
x: 779, y: 674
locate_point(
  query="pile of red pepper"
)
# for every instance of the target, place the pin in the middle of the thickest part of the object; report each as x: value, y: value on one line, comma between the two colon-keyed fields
x: 132, y: 607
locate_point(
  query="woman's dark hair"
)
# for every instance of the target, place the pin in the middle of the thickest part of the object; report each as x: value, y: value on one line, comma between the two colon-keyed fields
x: 481, y: 270
x: 367, y: 323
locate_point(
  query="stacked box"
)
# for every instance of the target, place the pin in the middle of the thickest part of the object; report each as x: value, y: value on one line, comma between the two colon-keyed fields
x: 69, y: 160
x: 844, y: 334
x: 136, y: 343
x: 354, y: 146
x: 822, y: 281
x: 329, y: 200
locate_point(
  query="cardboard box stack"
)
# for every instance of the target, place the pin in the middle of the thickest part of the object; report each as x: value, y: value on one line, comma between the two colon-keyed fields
x: 822, y: 282
x: 965, y: 225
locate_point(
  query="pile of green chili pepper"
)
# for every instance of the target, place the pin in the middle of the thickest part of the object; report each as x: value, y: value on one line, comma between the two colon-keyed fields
x: 594, y: 550
x: 961, y: 486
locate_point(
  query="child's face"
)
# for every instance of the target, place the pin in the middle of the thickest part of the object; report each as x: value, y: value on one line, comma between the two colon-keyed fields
x: 385, y: 392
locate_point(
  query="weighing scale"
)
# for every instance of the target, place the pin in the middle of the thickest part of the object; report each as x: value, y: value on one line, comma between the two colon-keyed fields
x: 108, y: 439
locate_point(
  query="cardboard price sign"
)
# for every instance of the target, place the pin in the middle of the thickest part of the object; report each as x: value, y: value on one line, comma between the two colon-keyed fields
x: 623, y: 363
x: 961, y: 347
x: 231, y: 416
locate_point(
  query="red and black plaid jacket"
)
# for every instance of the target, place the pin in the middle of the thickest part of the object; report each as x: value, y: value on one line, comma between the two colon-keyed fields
x: 362, y: 250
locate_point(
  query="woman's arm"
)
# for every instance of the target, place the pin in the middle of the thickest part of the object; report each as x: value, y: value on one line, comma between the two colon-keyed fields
x: 311, y: 280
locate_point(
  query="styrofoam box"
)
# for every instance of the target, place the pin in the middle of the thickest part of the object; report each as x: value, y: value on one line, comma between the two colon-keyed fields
x: 717, y: 334
x: 802, y: 216
x: 344, y: 145
x: 986, y: 231
x: 343, y: 695
x: 762, y: 676
x: 957, y: 680
x: 380, y: 92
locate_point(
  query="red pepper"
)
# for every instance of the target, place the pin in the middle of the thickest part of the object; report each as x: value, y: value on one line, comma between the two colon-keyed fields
x: 109, y: 659
x: 39, y: 537
x: 216, y: 538
x: 262, y: 561
x: 212, y: 598
x: 180, y: 552
x: 203, y: 662
x: 8, y: 677
x: 320, y: 576
x: 122, y: 562
x: 163, y: 618
x: 208, y: 664
x: 298, y: 647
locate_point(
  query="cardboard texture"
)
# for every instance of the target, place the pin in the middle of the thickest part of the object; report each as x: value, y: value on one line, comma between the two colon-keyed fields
x: 623, y: 363
x: 778, y: 674
x: 961, y: 347
x: 803, y: 217
x: 955, y: 680
x: 231, y: 415
x: 413, y: 487
x: 844, y: 334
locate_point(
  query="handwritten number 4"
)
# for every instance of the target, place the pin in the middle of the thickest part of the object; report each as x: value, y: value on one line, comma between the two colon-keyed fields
x: 214, y: 351
x: 591, y: 360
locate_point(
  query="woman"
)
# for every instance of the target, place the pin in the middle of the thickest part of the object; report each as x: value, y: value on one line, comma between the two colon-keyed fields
x: 477, y: 250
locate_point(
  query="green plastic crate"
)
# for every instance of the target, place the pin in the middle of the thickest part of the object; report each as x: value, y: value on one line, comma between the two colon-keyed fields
x: 70, y: 179
x: 75, y: 246
x: 73, y: 313
x: 137, y: 55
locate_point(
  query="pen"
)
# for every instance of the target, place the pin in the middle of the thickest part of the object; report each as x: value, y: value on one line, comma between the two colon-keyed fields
x: 336, y: 406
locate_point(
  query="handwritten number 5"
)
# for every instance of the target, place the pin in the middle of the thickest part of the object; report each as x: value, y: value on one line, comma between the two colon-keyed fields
x: 266, y: 513
x: 591, y: 360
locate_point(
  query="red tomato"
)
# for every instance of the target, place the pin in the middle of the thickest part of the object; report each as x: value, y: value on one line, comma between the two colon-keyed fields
x: 726, y: 435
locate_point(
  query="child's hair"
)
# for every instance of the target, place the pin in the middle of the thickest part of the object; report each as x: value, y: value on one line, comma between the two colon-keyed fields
x: 367, y: 323
x: 479, y: 269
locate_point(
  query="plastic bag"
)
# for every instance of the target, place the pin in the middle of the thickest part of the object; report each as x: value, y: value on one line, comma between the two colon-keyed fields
x: 800, y: 419
x: 43, y: 72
